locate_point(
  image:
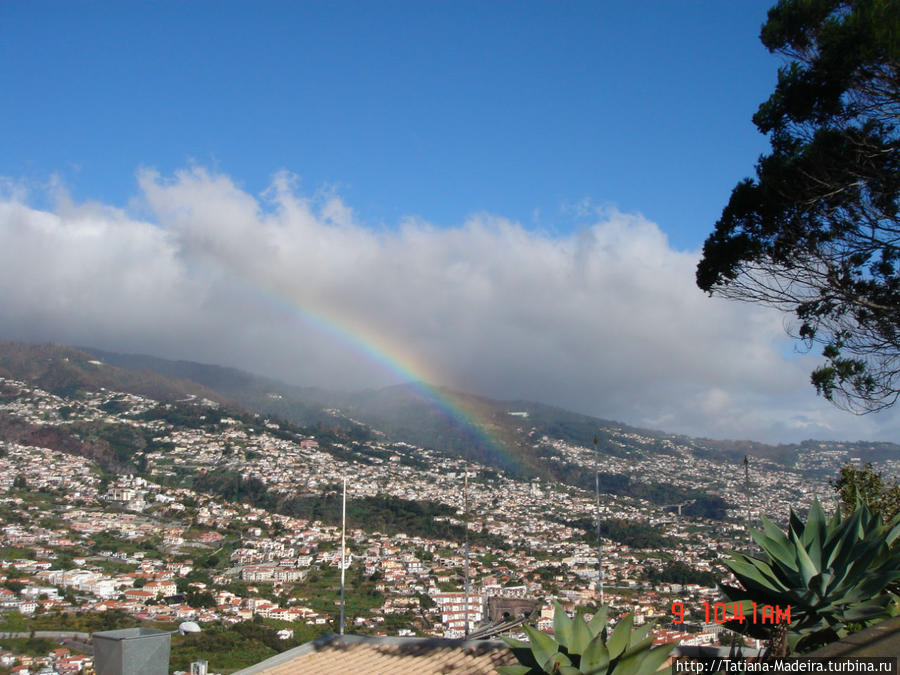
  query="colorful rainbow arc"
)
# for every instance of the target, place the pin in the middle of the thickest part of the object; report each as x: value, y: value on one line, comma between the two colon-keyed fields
x: 376, y: 350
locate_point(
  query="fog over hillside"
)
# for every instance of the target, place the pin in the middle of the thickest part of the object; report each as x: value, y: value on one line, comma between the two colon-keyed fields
x: 606, y: 321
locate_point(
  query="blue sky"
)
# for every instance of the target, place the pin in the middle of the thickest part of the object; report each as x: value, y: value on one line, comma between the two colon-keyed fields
x: 506, y: 198
x: 428, y: 109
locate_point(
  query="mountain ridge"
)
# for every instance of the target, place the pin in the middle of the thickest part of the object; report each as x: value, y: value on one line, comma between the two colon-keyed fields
x: 400, y: 412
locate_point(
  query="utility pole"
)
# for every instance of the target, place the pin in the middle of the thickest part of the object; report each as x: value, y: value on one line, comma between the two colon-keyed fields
x: 597, y: 492
x: 343, y: 540
x: 466, y: 526
x: 747, y: 495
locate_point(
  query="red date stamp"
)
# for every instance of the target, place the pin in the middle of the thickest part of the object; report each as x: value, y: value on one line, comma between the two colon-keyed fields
x: 751, y: 612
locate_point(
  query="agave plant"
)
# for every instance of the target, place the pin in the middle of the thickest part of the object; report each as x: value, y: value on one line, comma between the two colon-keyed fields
x: 831, y: 573
x: 581, y: 647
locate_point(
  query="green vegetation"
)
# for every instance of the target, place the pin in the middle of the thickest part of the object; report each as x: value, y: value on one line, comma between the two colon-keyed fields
x: 115, y: 406
x: 628, y: 532
x: 122, y: 440
x: 197, y: 598
x: 12, y: 622
x: 815, y: 234
x: 321, y: 590
x: 703, y: 505
x: 867, y: 485
x: 83, y: 622
x: 13, y: 552
x: 676, y: 572
x: 185, y: 416
x: 579, y: 646
x: 110, y: 540
x: 14, y: 585
x: 831, y: 573
x: 383, y: 513
x: 230, y: 648
x: 227, y: 648
x: 32, y: 646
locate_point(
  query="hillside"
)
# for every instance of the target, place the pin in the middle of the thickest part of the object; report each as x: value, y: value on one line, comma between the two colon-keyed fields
x: 299, y: 405
x: 518, y: 443
x: 516, y: 440
x: 404, y: 413
x: 65, y: 371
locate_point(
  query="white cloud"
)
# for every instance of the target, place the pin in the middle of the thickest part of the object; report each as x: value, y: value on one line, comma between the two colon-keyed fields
x: 607, y: 321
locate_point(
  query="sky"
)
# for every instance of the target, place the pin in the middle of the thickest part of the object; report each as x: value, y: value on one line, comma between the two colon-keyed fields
x: 508, y: 199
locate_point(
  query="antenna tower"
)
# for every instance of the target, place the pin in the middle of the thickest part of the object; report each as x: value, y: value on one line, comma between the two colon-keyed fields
x: 597, y: 493
x: 466, y: 526
x: 343, y: 540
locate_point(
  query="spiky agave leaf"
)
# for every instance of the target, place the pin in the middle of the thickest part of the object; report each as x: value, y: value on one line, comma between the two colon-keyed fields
x: 522, y: 651
x: 778, y: 547
x: 894, y: 531
x: 641, y: 632
x: 581, y: 635
x: 831, y: 572
x: 589, y: 651
x: 543, y: 647
x: 514, y: 670
x: 597, y: 624
x: 643, y: 662
x: 557, y: 662
x: 620, y: 637
x: 562, y: 625
x: 595, y: 658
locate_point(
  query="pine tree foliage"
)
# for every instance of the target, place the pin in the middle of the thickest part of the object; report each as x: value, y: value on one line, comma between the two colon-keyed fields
x: 817, y: 232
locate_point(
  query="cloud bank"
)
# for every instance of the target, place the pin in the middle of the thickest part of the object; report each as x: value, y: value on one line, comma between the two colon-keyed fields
x: 607, y: 321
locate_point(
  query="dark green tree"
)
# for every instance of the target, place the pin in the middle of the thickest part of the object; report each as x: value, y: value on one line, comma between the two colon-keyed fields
x: 198, y: 598
x: 855, y: 485
x: 817, y: 232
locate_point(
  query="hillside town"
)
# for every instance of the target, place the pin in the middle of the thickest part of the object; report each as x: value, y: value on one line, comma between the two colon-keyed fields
x: 154, y: 546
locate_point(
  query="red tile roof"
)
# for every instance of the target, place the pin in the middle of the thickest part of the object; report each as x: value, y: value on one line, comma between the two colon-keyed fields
x: 366, y: 655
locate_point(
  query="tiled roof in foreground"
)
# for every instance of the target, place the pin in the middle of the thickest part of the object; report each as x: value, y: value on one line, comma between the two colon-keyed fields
x: 366, y: 655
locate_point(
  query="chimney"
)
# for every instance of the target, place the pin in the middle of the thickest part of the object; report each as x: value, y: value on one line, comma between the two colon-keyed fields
x: 132, y: 651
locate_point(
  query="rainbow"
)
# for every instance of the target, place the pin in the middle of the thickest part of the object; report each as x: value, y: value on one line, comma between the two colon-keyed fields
x: 362, y: 340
